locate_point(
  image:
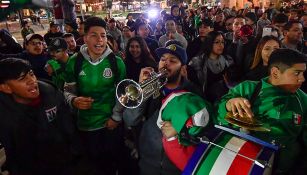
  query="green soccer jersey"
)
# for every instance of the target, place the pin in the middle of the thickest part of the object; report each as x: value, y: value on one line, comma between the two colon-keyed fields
x: 95, y: 80
x: 58, y: 73
x: 283, y: 112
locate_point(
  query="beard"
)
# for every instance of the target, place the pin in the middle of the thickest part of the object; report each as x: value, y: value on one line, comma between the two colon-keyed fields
x: 174, y: 77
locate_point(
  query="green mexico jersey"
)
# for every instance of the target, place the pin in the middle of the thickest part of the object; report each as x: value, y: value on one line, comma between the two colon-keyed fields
x: 282, y: 112
x: 95, y: 80
x: 58, y: 73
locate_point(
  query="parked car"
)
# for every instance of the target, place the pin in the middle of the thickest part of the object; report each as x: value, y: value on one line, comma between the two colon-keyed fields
x: 119, y: 17
x: 136, y: 15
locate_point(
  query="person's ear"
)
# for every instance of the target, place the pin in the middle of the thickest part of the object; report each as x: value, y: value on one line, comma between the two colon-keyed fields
x: 285, y: 32
x: 26, y: 45
x: 85, y: 38
x: 5, y: 88
x: 184, y: 72
x: 275, y: 72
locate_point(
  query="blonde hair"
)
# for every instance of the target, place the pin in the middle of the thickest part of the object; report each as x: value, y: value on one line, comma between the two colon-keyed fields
x: 258, y: 57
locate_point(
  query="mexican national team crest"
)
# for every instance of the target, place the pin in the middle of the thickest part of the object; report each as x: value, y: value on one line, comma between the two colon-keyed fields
x: 297, y: 119
x: 107, y: 73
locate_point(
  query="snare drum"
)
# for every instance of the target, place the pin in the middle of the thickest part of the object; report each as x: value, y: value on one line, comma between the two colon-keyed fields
x: 237, y: 158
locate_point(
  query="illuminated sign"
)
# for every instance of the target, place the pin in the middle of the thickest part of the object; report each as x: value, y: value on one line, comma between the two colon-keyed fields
x: 4, y: 3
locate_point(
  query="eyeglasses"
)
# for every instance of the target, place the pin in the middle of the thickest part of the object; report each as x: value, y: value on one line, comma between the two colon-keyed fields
x: 35, y: 43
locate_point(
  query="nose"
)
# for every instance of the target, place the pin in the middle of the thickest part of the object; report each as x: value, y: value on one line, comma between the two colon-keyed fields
x: 99, y: 38
x: 165, y: 63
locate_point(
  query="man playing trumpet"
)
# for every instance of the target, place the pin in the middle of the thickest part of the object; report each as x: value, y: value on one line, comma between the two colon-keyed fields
x: 153, y: 159
x: 279, y: 104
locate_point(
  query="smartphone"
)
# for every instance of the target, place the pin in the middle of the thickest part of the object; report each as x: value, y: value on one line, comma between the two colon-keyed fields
x: 266, y: 31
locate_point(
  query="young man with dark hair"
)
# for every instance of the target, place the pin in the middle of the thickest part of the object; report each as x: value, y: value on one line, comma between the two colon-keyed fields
x: 239, y: 45
x: 54, y: 31
x: 196, y: 47
x: 91, y: 77
x: 71, y: 44
x: 56, y: 66
x: 35, y: 123
x: 279, y: 21
x: 130, y: 21
x: 172, y: 34
x: 71, y: 27
x: 279, y: 104
x: 233, y: 36
x: 293, y: 36
x: 143, y: 30
x: 113, y: 30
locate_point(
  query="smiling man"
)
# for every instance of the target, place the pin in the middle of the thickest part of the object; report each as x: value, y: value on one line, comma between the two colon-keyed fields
x: 279, y: 104
x: 91, y: 77
x: 35, y: 122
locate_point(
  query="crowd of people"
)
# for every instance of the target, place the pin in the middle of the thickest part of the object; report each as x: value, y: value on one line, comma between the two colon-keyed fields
x: 58, y: 108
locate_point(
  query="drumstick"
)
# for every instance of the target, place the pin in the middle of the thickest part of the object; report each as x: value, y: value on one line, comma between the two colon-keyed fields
x: 257, y: 162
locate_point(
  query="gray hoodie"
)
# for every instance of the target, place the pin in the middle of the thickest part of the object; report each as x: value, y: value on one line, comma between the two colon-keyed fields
x: 70, y: 89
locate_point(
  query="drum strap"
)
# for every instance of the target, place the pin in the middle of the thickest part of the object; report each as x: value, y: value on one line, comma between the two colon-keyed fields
x: 255, y: 93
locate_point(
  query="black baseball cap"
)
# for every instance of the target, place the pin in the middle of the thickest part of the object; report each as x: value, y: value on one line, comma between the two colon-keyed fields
x: 57, y: 44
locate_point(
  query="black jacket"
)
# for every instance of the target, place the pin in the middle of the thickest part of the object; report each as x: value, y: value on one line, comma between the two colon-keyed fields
x: 36, y: 139
x: 37, y: 62
x: 8, y: 45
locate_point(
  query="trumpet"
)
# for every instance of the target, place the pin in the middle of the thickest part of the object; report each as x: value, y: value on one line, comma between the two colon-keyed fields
x: 132, y: 94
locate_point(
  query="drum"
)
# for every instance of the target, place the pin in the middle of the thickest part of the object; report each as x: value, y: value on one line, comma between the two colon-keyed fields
x: 229, y: 154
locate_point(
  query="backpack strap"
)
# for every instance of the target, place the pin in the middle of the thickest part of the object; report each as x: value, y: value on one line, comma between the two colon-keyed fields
x: 112, y: 59
x: 78, y: 65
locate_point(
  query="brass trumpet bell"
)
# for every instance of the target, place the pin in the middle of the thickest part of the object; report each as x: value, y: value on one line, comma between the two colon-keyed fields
x: 132, y: 94
x: 246, y: 122
x: 129, y: 93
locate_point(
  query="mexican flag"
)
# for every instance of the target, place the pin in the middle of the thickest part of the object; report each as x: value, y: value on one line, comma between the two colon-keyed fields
x: 187, y: 111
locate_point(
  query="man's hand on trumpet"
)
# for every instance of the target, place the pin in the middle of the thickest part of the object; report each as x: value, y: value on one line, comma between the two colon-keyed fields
x: 145, y: 73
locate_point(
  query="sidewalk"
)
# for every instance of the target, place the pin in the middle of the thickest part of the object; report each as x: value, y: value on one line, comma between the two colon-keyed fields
x: 14, y: 29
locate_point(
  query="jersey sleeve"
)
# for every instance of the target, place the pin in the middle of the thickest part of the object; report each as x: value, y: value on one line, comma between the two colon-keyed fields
x: 241, y: 90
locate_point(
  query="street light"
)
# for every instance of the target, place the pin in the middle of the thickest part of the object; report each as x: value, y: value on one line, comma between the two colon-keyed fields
x: 4, y: 4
